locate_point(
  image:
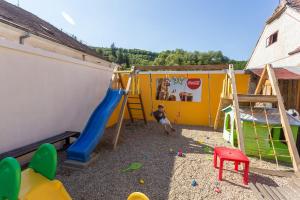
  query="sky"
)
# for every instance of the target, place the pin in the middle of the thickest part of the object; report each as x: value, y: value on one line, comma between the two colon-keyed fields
x: 232, y: 26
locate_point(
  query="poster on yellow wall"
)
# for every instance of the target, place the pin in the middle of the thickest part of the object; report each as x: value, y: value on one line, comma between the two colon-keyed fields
x: 179, y: 89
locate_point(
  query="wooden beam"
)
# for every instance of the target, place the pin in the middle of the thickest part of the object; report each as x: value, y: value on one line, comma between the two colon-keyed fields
x: 262, y: 80
x: 181, y: 68
x: 236, y: 109
x: 123, y: 71
x: 223, y: 102
x: 218, y: 115
x: 245, y: 98
x: 284, y: 120
x: 280, y: 173
x: 121, y: 81
x: 122, y: 111
x: 143, y: 109
x: 298, y: 96
x: 127, y: 105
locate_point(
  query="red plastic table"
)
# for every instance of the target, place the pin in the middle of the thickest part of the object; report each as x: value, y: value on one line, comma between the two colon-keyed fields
x: 233, y: 155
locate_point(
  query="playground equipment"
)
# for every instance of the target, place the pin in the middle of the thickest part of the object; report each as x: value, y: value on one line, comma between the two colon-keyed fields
x: 35, y: 183
x: 137, y: 196
x: 230, y: 96
x: 233, y: 155
x: 132, y: 92
x: 185, y: 91
x: 129, y: 92
x: 265, y: 122
x: 82, y: 148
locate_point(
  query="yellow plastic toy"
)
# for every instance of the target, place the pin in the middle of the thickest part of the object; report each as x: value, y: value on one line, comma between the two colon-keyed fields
x: 137, y: 196
x: 35, y: 183
x: 34, y: 186
x: 141, y: 181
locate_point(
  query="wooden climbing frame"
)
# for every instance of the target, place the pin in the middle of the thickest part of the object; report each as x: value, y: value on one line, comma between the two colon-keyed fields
x: 229, y: 96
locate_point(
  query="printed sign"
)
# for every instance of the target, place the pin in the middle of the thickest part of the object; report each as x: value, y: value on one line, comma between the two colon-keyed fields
x: 179, y: 89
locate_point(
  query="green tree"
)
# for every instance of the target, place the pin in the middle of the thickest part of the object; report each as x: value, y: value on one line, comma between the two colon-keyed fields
x: 113, y: 50
x: 138, y: 57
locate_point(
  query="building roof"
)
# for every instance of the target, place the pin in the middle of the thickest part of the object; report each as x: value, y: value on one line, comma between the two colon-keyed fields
x: 260, y: 117
x: 282, y: 6
x: 297, y: 50
x: 24, y: 20
x: 294, y: 4
x: 282, y: 73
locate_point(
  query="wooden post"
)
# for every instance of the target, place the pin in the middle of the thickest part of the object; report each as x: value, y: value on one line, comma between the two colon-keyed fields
x: 284, y: 120
x: 218, y: 113
x: 127, y: 105
x: 209, y: 101
x: 263, y: 78
x: 236, y: 109
x: 298, y: 96
x: 143, y: 109
x: 221, y: 102
x: 122, y: 112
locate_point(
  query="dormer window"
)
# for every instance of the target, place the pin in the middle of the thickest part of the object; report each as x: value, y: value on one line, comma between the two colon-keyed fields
x: 272, y: 39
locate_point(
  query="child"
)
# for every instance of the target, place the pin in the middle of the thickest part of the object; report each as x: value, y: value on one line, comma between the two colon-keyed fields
x: 160, y: 116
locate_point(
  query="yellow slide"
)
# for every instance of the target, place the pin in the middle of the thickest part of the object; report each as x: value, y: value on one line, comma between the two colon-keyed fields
x: 34, y: 183
x: 34, y: 186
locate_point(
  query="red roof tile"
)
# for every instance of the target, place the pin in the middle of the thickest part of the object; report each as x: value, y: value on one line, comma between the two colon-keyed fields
x: 280, y: 73
x: 294, y: 4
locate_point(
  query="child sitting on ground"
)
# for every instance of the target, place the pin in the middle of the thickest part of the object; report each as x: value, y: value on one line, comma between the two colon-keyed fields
x: 160, y: 116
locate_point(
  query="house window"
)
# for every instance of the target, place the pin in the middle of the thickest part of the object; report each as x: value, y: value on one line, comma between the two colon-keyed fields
x: 272, y: 39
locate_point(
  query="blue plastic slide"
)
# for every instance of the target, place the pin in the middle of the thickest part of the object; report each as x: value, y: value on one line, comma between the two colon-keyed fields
x: 94, y: 129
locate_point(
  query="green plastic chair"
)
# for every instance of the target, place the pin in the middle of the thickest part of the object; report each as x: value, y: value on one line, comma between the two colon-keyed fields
x: 10, y: 179
x: 44, y: 161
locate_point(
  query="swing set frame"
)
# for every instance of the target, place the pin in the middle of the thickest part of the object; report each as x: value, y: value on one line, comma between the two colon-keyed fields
x: 131, y: 90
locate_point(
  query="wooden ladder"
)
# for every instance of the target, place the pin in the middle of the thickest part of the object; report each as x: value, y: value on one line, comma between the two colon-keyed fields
x: 135, y: 107
x: 134, y: 103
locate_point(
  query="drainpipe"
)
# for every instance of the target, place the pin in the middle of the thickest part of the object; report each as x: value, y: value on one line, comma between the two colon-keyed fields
x: 23, y: 37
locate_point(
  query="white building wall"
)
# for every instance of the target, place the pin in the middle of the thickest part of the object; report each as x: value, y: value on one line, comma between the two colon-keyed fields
x: 288, y: 27
x: 13, y: 34
x: 44, y: 93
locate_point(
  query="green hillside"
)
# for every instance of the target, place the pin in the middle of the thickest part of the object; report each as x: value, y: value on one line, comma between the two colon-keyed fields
x: 138, y: 57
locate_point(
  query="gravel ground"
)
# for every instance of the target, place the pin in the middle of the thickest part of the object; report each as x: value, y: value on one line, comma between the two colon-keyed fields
x: 166, y: 176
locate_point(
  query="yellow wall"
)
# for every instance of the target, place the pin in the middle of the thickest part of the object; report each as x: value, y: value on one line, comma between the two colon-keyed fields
x: 189, y: 113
